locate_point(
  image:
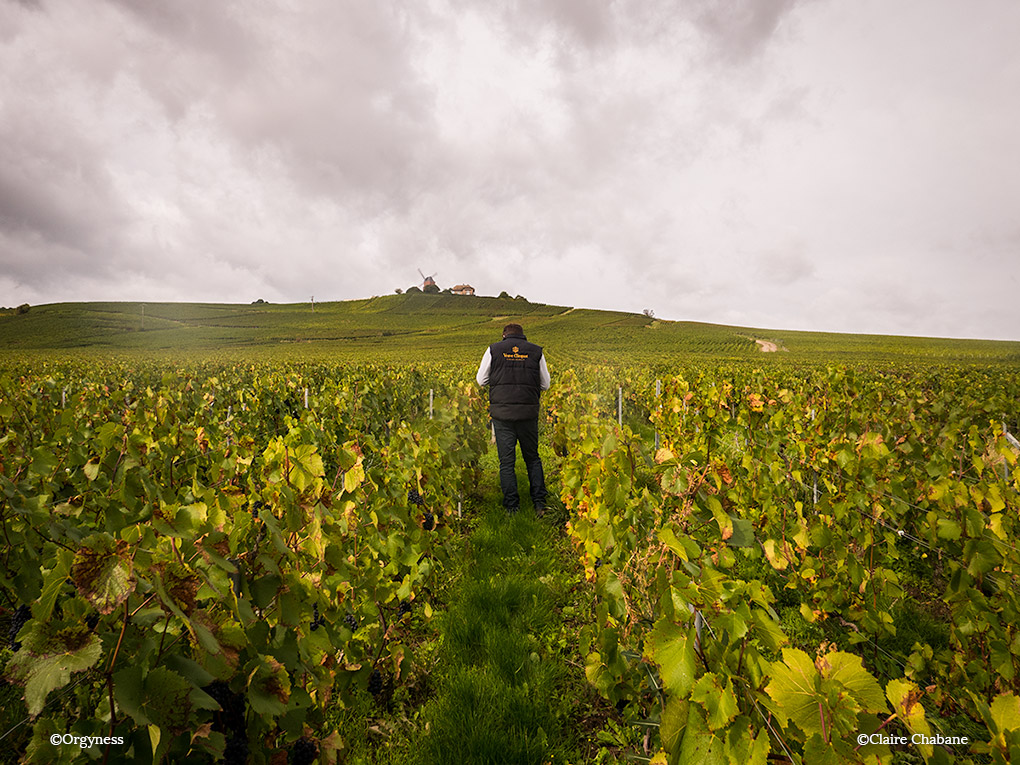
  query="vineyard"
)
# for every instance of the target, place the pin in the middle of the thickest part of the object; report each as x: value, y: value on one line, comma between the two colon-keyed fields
x: 244, y: 562
x: 185, y: 550
x: 808, y: 557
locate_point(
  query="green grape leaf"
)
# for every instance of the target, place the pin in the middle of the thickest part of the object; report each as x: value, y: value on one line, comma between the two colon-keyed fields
x: 306, y: 469
x: 44, y: 462
x: 848, y: 670
x: 673, y: 480
x: 742, y: 533
x: 700, y: 746
x: 818, y: 752
x: 53, y: 583
x: 672, y: 648
x: 268, y: 687
x: 824, y: 696
x: 668, y: 537
x: 672, y: 723
x: 50, y: 652
x: 745, y: 748
x: 159, y: 697
x: 719, y: 701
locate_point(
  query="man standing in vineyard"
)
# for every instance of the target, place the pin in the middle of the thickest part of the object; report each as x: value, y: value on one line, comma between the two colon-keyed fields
x: 516, y: 374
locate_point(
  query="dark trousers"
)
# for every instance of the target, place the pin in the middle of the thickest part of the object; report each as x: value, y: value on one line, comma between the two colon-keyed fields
x: 508, y: 434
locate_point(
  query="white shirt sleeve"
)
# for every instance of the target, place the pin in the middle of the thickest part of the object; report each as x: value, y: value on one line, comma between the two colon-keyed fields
x: 543, y: 374
x: 483, y: 369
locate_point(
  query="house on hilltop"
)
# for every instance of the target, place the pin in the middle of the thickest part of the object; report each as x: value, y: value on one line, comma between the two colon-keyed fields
x: 463, y: 289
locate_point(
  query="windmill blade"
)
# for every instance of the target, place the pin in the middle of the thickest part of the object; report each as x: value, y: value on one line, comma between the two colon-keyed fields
x: 422, y: 275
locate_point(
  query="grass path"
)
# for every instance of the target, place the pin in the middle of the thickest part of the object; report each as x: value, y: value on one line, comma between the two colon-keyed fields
x: 505, y: 691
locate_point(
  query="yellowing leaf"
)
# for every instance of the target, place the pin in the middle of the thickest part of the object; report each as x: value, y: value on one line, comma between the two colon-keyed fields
x: 778, y: 560
x: 102, y: 573
x: 354, y: 476
x: 664, y: 455
x: 1005, y: 711
x: 50, y: 652
x: 905, y: 698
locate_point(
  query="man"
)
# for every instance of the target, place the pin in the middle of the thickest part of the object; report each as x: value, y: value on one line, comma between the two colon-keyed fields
x: 516, y: 374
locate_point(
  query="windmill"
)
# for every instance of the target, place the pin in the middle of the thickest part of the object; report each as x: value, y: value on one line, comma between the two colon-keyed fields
x: 427, y: 281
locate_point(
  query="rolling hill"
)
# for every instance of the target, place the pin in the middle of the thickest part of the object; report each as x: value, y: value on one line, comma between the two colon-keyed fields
x: 409, y: 327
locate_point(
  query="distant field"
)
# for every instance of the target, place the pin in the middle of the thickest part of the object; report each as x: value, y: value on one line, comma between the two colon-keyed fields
x: 418, y: 327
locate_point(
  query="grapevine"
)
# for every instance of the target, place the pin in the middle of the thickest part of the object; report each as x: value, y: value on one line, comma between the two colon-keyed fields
x: 167, y: 527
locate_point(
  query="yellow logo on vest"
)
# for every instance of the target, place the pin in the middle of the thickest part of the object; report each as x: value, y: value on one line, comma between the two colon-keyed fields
x: 516, y: 355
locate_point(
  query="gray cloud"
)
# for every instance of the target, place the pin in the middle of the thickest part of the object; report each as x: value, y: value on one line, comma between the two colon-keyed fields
x: 777, y: 163
x: 740, y: 30
x: 58, y: 204
x: 785, y: 268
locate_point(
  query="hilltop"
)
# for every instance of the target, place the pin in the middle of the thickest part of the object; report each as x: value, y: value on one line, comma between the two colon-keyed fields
x: 443, y: 327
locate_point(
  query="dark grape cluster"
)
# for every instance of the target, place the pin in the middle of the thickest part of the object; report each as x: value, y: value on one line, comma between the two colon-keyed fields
x: 430, y: 522
x: 22, y: 615
x: 404, y: 608
x: 92, y: 620
x: 236, y: 750
x: 375, y: 682
x: 230, y: 722
x: 317, y: 620
x: 380, y: 685
x: 302, y: 752
x: 415, y: 498
x: 351, y: 621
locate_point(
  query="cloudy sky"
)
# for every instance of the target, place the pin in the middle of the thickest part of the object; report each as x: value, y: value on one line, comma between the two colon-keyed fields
x: 846, y: 165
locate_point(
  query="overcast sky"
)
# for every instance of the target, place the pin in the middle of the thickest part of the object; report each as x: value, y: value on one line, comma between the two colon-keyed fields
x: 845, y: 165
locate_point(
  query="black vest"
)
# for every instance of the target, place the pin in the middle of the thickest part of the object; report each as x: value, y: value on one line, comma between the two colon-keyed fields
x: 514, y: 380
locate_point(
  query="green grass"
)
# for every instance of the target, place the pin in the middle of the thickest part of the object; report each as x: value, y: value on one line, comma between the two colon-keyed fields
x: 498, y: 699
x: 506, y: 688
